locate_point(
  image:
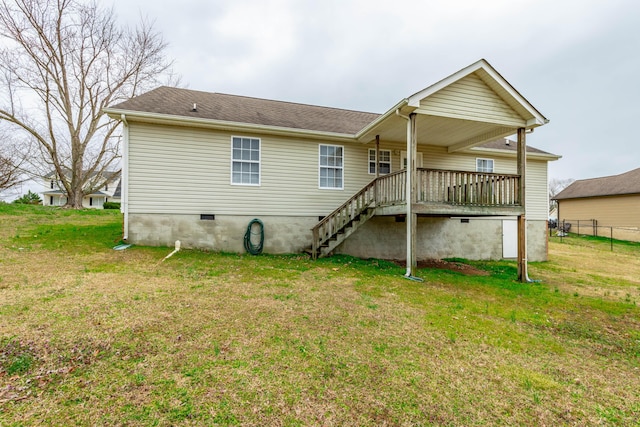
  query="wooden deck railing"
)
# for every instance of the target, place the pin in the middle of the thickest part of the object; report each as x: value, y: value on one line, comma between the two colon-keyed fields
x: 432, y: 186
x: 467, y: 188
x: 450, y: 187
x: 391, y: 189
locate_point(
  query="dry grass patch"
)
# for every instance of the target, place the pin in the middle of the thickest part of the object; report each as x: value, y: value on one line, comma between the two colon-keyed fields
x: 587, y: 266
x: 94, y: 336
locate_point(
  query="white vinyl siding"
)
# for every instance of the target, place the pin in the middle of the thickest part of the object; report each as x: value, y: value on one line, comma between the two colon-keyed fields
x: 384, y: 164
x: 178, y: 170
x: 331, y: 167
x: 245, y: 161
x: 186, y: 170
x: 471, y: 99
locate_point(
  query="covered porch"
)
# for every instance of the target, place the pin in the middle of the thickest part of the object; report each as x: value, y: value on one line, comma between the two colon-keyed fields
x: 466, y: 109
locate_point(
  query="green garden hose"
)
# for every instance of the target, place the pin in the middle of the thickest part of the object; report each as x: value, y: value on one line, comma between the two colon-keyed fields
x: 248, y: 244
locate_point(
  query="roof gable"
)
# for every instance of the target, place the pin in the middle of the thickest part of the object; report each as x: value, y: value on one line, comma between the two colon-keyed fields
x: 482, y: 87
x: 625, y: 183
x: 471, y: 98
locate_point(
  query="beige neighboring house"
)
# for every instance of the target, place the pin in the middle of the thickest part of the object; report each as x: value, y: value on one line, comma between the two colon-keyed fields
x: 199, y: 166
x: 610, y: 201
x: 110, y: 191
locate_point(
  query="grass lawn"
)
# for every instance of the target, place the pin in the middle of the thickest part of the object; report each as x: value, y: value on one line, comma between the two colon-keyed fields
x: 93, y: 336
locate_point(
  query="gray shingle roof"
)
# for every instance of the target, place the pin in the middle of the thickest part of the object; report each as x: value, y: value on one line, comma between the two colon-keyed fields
x: 118, y: 192
x: 105, y: 174
x: 242, y: 109
x: 501, y: 144
x: 625, y: 183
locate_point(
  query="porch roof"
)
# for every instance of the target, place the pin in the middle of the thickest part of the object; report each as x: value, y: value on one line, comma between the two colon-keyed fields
x: 471, y: 107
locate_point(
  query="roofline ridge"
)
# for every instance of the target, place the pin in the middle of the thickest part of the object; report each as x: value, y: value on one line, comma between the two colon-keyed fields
x: 294, y: 103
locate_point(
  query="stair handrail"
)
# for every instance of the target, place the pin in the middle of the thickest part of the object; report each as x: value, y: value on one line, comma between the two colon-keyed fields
x: 367, y: 189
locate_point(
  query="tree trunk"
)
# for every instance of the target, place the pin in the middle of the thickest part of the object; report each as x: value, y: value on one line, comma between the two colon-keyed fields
x: 74, y: 200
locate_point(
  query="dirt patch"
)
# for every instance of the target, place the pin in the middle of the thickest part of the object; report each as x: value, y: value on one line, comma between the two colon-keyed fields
x: 460, y: 267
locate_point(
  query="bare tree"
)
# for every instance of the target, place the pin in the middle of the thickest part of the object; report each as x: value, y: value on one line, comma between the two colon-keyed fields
x: 556, y: 185
x: 61, y: 63
x: 9, y: 173
x: 11, y: 162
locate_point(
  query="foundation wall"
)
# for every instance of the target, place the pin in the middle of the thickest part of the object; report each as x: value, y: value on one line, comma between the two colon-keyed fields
x: 380, y: 237
x: 479, y: 238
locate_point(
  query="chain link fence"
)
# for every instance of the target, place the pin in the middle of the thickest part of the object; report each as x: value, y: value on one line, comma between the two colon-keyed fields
x: 590, y: 227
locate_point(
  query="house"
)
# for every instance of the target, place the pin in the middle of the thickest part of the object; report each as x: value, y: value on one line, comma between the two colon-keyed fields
x: 610, y: 201
x: 198, y: 167
x: 109, y: 191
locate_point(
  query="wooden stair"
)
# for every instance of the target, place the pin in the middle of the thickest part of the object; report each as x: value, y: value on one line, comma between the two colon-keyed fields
x: 336, y: 227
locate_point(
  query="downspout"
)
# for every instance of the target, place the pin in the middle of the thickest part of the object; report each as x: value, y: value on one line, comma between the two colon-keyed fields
x: 522, y: 220
x: 124, y: 208
x: 409, y: 217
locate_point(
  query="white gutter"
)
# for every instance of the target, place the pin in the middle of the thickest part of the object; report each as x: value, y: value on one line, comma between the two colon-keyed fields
x: 124, y: 189
x: 512, y: 154
x: 371, y: 126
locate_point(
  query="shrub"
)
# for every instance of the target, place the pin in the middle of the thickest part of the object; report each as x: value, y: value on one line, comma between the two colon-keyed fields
x: 111, y: 205
x: 29, y: 199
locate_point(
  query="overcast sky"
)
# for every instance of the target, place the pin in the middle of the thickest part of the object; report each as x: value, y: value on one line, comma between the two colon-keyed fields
x: 577, y: 62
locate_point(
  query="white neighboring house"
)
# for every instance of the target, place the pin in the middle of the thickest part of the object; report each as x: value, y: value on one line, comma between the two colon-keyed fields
x: 55, y: 194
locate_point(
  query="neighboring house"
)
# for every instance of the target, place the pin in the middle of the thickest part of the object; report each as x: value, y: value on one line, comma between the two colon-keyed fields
x: 55, y: 195
x: 610, y: 201
x: 197, y: 167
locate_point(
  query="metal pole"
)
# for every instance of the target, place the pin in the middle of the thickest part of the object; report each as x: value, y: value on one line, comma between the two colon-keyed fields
x: 611, y: 238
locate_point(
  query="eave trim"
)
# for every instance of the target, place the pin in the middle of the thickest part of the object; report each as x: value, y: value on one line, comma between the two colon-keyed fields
x: 173, y: 120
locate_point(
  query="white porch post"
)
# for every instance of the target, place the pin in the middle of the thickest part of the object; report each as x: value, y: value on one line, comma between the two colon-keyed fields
x: 523, y: 275
x: 412, y: 219
x: 377, y: 156
x: 124, y: 179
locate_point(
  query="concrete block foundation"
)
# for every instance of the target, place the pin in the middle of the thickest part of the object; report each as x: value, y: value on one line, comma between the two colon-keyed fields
x: 381, y: 237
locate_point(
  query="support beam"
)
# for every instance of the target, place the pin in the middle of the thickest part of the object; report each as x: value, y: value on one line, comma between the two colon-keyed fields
x: 375, y: 189
x: 412, y: 218
x: 523, y: 275
x: 377, y: 156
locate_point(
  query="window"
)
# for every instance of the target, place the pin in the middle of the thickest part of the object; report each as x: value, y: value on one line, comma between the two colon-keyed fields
x: 384, y: 164
x: 484, y: 165
x: 52, y: 184
x: 331, y: 167
x: 403, y: 159
x: 245, y: 161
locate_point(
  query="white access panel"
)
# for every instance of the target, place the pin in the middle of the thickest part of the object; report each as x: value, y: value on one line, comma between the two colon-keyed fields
x: 509, y: 238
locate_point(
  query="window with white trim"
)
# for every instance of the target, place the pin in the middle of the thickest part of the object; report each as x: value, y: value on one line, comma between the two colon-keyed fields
x: 484, y: 165
x: 331, y: 170
x: 384, y: 164
x: 245, y: 161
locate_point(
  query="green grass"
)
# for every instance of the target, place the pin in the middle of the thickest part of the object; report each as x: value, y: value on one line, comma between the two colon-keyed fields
x: 93, y: 336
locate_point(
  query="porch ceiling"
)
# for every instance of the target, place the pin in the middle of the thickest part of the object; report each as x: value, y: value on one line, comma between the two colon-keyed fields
x: 441, y: 131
